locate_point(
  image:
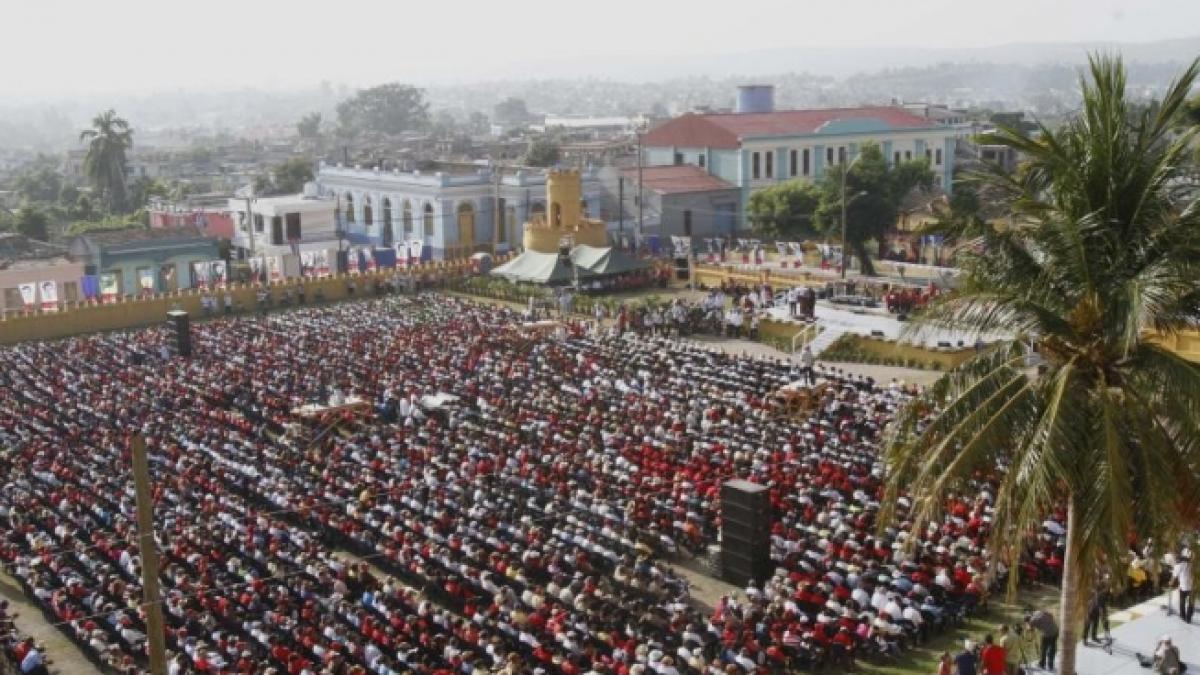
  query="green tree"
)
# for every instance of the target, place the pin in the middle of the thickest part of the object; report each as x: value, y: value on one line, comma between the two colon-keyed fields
x: 40, y: 182
x: 143, y: 189
x: 511, y: 111
x: 290, y: 176
x: 33, y: 222
x: 784, y: 211
x: 1104, y: 253
x: 388, y: 109
x: 542, y: 151
x: 109, y: 139
x: 873, y: 192
x: 309, y: 126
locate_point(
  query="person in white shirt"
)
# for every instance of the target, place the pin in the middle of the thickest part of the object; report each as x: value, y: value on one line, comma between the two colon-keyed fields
x: 1182, y: 577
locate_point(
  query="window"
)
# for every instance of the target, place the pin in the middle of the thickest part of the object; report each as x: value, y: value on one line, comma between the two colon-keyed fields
x: 368, y: 216
x: 896, y: 157
x: 829, y: 156
x: 928, y: 154
x: 277, y: 231
x: 687, y: 223
x: 908, y: 155
x: 427, y: 219
x: 755, y: 172
x: 793, y: 160
x: 841, y: 154
x: 242, y: 222
x: 806, y: 162
x: 349, y: 208
x: 678, y: 158
x: 700, y: 160
x: 937, y: 157
x: 293, y: 227
x: 258, y: 223
x: 770, y: 165
x: 407, y: 217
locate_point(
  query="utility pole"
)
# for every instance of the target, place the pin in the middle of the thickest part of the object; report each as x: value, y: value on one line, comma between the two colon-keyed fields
x: 620, y: 208
x: 640, y: 224
x: 148, y: 551
x: 498, y: 213
x: 250, y: 216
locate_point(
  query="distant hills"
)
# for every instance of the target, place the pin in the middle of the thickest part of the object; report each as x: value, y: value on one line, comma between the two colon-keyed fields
x: 846, y: 61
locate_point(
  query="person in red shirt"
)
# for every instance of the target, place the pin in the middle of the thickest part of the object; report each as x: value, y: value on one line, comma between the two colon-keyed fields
x: 992, y: 657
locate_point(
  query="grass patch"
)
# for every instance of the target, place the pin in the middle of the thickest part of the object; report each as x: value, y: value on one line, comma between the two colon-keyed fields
x: 923, y: 659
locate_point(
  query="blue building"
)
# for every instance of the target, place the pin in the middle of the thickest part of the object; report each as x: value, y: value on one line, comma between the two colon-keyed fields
x: 164, y: 254
x: 759, y: 146
x: 453, y: 213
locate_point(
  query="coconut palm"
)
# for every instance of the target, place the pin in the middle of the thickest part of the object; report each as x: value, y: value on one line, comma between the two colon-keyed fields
x: 1104, y: 254
x: 105, y: 163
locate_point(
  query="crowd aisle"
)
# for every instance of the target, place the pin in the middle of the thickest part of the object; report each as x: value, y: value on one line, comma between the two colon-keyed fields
x: 522, y: 529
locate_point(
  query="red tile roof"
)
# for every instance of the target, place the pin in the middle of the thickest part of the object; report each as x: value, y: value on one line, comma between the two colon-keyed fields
x: 724, y: 130
x: 668, y: 180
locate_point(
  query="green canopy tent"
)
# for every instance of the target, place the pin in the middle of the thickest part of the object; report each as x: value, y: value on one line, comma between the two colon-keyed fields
x: 605, y: 261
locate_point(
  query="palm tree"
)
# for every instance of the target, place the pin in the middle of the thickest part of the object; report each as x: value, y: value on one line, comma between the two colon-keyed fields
x: 1105, y: 253
x: 105, y: 163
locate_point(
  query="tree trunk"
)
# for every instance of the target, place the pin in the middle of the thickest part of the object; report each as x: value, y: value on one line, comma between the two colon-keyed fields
x: 867, y: 269
x: 1070, y: 604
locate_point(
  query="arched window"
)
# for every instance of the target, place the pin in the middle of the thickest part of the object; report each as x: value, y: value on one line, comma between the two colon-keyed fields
x: 368, y: 220
x: 556, y: 214
x: 349, y: 207
x: 388, y: 231
x: 427, y: 219
x: 407, y: 217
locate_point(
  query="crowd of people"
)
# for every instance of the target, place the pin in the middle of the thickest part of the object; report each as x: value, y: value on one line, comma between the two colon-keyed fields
x: 522, y: 525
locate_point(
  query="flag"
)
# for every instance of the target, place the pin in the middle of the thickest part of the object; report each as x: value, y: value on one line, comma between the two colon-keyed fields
x: 274, y: 268
x: 218, y: 274
x: 415, y: 248
x: 321, y: 262
x: 28, y: 294
x: 49, y: 295
x: 352, y: 261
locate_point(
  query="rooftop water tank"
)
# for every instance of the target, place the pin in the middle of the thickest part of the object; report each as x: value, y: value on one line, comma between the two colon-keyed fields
x: 756, y: 98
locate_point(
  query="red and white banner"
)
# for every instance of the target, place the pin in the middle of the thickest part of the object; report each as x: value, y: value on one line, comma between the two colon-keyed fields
x: 49, y: 291
x: 28, y: 294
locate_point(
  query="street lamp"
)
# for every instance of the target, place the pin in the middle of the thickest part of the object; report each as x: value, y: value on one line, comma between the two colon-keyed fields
x: 846, y: 171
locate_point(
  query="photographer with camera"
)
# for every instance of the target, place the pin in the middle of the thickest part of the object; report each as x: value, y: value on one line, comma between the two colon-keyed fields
x: 1043, y: 622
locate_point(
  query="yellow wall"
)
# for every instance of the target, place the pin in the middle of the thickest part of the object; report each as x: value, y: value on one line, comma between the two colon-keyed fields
x: 78, y: 318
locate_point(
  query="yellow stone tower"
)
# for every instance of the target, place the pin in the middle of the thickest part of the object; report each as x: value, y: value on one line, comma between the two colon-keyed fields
x: 564, y: 216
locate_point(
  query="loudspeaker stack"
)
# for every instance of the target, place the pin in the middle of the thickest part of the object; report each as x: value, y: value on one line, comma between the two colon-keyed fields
x: 181, y: 332
x: 745, y: 532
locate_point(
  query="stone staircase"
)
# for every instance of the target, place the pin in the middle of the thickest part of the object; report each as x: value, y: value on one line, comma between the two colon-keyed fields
x: 828, y: 336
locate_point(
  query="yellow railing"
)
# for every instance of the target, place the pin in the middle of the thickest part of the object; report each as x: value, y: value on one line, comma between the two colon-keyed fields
x: 90, y: 316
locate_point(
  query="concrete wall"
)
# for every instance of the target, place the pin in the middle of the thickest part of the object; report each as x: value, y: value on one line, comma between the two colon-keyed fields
x: 704, y: 207
x: 64, y: 272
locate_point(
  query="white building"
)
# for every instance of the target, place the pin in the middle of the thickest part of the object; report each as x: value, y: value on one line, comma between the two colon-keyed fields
x: 453, y: 214
x: 308, y: 222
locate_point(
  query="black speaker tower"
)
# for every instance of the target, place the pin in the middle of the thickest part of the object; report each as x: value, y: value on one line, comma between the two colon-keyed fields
x: 181, y: 331
x: 745, y: 532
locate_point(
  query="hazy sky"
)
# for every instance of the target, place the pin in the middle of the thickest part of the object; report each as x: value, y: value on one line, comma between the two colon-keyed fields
x: 58, y: 47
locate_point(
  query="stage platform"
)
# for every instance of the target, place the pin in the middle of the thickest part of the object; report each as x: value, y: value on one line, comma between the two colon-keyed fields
x: 1145, y: 624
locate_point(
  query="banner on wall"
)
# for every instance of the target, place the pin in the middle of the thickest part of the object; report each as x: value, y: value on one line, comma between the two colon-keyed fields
x: 274, y: 268
x: 308, y: 263
x: 682, y: 246
x: 108, y: 287
x: 146, y: 280
x: 28, y: 294
x: 369, y: 259
x: 49, y: 291
x: 415, y: 247
x: 257, y: 268
x: 218, y: 273
x: 352, y: 261
x: 200, y: 272
x: 321, y: 262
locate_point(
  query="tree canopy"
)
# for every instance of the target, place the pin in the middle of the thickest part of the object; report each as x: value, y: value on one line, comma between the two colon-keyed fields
x: 874, y: 192
x: 286, y: 178
x: 510, y: 111
x: 309, y: 126
x: 543, y: 151
x: 1103, y: 255
x: 388, y: 109
x: 109, y: 139
x: 784, y: 211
